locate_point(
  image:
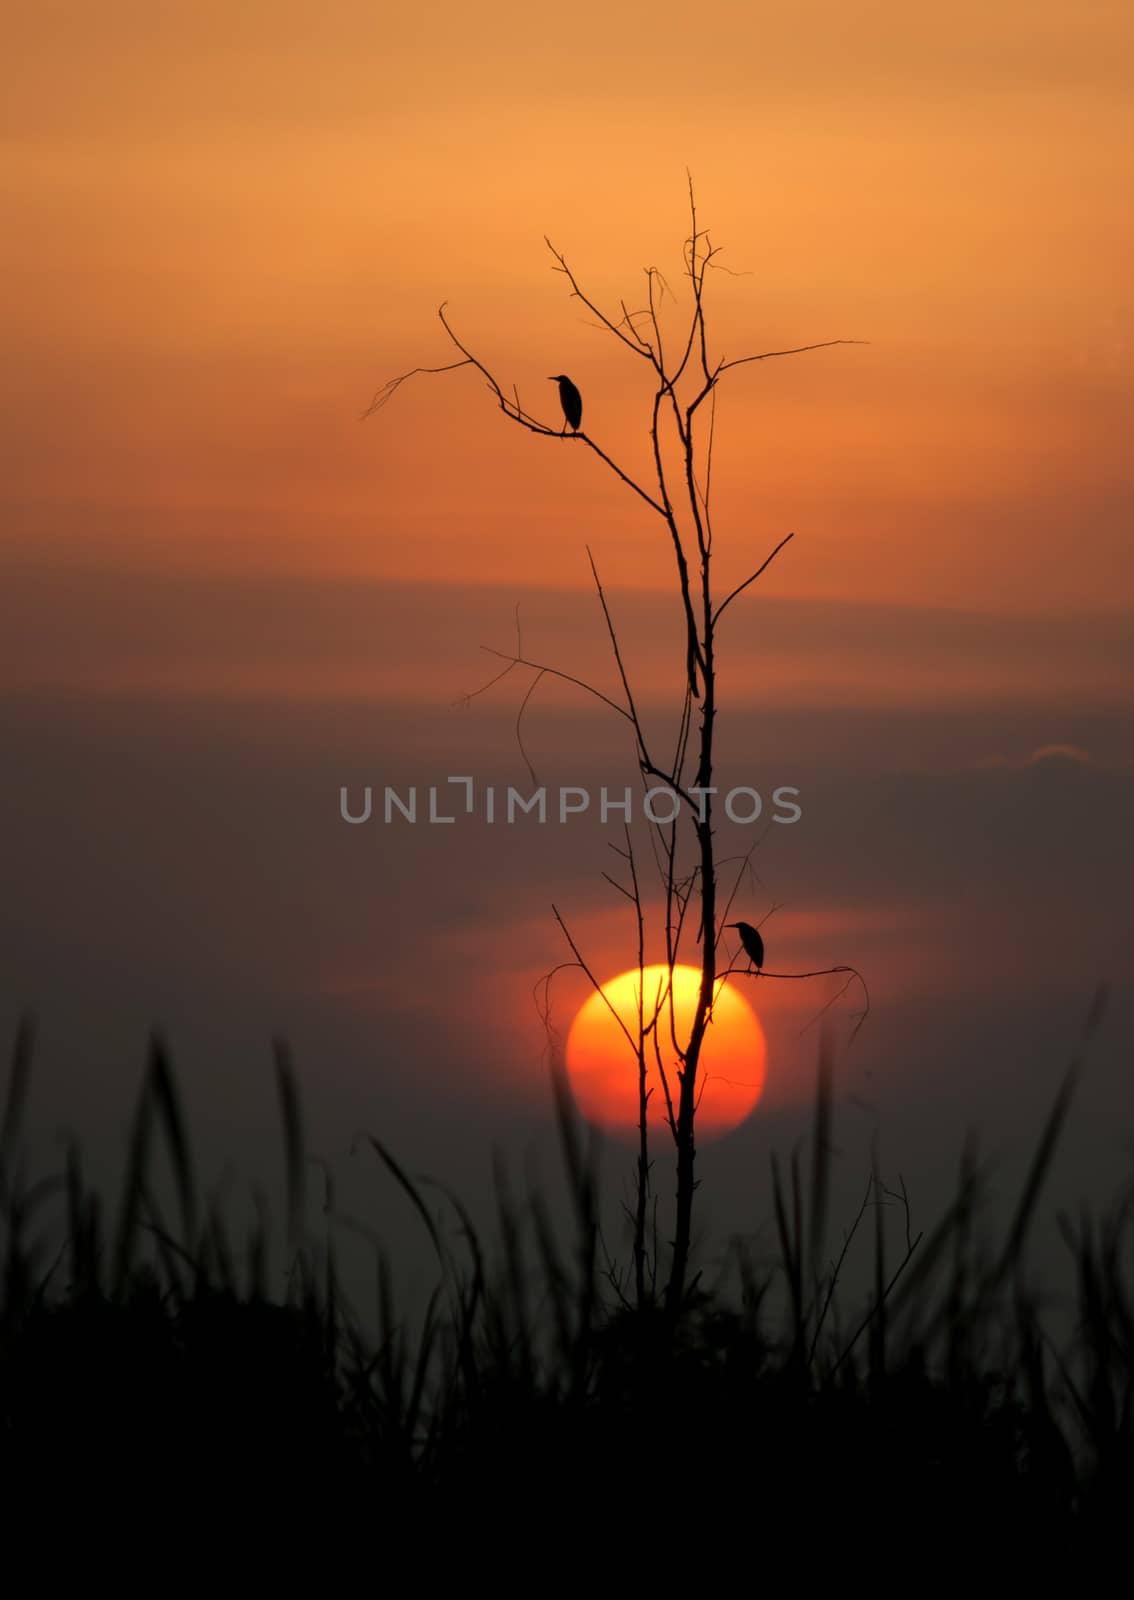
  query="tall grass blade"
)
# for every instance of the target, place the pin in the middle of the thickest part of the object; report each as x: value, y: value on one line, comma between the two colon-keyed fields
x: 788, y: 1254
x: 295, y: 1166
x: 820, y: 1160
x: 411, y: 1189
x: 19, y: 1077
x: 878, y: 1322
x: 1049, y: 1139
x: 133, y: 1183
x: 168, y: 1109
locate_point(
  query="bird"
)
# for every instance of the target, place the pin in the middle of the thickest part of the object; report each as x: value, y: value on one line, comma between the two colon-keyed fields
x: 570, y: 399
x: 752, y: 942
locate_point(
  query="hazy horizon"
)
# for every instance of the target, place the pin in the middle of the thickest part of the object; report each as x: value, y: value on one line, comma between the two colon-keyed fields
x: 224, y: 596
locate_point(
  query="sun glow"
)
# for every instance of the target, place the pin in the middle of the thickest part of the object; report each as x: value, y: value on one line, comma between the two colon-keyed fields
x: 602, y: 1063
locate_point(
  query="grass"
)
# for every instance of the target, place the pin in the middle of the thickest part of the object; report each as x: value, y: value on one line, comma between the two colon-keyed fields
x: 145, y: 1362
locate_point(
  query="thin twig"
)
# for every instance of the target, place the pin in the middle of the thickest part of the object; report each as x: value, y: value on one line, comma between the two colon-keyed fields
x: 740, y: 588
x: 797, y: 350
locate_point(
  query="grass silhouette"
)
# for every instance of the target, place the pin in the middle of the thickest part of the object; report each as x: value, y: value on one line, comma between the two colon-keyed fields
x: 146, y: 1364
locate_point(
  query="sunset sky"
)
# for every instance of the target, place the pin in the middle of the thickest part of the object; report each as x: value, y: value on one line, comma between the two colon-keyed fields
x: 223, y: 595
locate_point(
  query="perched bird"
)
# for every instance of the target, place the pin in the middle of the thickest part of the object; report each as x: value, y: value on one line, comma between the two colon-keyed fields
x: 570, y: 399
x: 752, y: 942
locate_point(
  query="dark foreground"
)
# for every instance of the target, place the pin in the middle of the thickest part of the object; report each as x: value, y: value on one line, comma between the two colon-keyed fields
x: 147, y: 1374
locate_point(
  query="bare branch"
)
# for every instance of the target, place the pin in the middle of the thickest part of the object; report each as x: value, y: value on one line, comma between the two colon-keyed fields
x: 695, y: 658
x: 740, y: 588
x: 628, y: 318
x: 632, y: 711
x: 799, y: 350
x: 551, y: 672
x: 473, y: 694
x: 532, y: 687
x: 516, y: 413
x: 731, y: 272
x: 578, y: 294
x: 875, y: 1308
x: 709, y: 463
x: 645, y: 760
x: 833, y: 1001
x: 822, y: 972
x: 837, y: 1269
x: 390, y: 388
x: 594, y: 981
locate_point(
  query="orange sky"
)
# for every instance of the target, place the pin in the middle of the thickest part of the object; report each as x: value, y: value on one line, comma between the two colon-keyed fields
x: 223, y: 595
x: 232, y: 222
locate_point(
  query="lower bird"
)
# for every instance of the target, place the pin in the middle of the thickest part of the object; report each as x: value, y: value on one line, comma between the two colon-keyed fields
x: 752, y: 942
x: 571, y: 401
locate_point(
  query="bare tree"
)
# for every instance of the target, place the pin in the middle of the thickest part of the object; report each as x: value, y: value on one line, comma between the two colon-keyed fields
x: 686, y: 376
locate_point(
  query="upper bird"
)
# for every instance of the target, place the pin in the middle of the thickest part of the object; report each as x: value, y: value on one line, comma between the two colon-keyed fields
x: 752, y: 942
x: 570, y: 399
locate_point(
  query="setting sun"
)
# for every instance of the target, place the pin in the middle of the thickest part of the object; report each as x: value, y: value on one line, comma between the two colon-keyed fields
x: 603, y: 1068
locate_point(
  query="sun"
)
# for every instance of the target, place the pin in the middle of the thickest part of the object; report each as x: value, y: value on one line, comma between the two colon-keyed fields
x: 603, y: 1066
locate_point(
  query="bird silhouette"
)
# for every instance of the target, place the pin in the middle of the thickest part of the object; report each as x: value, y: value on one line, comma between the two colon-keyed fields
x: 752, y: 942
x: 570, y: 399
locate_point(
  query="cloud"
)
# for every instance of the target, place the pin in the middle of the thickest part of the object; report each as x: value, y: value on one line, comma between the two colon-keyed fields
x: 1054, y: 754
x: 1057, y: 752
x: 295, y: 639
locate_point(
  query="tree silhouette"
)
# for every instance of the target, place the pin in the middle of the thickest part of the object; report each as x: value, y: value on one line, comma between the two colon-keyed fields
x: 686, y: 377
